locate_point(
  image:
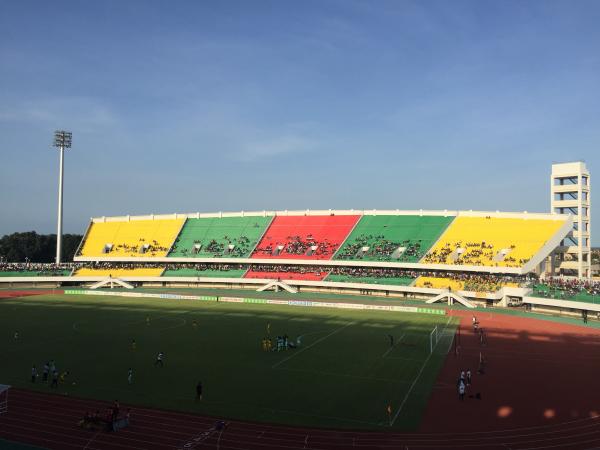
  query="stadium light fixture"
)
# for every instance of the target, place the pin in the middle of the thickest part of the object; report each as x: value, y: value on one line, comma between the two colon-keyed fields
x: 62, y: 140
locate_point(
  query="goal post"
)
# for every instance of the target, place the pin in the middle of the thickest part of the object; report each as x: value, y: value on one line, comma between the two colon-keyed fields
x: 433, y: 339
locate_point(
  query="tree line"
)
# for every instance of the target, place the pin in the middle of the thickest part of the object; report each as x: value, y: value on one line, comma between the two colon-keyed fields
x: 33, y: 247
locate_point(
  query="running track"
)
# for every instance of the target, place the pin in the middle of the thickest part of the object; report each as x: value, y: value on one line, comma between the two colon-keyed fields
x: 538, y: 393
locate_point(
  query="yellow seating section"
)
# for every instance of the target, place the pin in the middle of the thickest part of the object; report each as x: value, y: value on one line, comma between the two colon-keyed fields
x: 483, y: 237
x: 118, y: 273
x: 460, y: 285
x: 128, y: 237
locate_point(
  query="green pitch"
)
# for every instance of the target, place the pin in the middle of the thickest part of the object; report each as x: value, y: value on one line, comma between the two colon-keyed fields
x: 344, y: 374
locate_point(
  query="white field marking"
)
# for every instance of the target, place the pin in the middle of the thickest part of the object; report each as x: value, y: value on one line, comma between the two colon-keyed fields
x: 91, y: 439
x: 345, y: 375
x: 392, y: 347
x: 311, y: 333
x: 453, y: 336
x: 405, y: 359
x: 412, y: 386
x: 337, y: 330
x: 182, y: 322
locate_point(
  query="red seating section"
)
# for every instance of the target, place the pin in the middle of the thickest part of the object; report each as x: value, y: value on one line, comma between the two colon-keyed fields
x: 310, y: 276
x: 299, y: 235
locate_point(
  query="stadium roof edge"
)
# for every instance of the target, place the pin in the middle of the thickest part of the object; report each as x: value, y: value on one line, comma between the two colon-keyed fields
x: 346, y: 212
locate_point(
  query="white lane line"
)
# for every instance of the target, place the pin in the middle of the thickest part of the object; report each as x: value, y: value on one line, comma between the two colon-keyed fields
x: 337, y: 330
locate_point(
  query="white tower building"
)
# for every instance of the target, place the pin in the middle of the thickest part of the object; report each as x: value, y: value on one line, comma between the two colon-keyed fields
x: 570, y: 194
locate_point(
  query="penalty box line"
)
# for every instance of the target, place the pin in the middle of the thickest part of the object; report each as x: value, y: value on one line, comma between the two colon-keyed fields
x: 412, y: 386
x: 337, y: 330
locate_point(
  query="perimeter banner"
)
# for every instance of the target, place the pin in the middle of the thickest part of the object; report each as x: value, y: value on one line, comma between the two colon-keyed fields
x: 304, y: 303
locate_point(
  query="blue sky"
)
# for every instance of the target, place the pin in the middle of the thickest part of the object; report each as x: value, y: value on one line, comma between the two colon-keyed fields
x: 207, y: 106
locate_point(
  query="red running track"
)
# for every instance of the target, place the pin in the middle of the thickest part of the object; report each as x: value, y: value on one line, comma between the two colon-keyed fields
x: 298, y: 233
x: 10, y: 294
x: 538, y: 392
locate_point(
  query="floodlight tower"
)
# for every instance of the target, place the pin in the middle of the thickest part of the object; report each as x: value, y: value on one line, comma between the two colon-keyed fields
x: 62, y: 140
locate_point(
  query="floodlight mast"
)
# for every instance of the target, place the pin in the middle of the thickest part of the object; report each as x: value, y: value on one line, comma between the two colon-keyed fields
x: 62, y: 140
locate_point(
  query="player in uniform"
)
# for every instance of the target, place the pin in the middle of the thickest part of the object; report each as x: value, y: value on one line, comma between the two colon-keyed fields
x: 199, y: 391
x: 45, y: 373
x: 63, y: 376
x: 130, y: 376
x: 159, y: 359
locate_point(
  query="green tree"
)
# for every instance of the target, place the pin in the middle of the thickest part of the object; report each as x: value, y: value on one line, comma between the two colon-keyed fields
x: 19, y: 247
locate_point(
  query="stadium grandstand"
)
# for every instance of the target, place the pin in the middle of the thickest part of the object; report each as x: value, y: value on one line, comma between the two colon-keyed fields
x: 474, y: 258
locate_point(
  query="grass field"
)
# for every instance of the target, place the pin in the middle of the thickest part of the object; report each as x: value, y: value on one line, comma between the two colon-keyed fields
x: 344, y: 374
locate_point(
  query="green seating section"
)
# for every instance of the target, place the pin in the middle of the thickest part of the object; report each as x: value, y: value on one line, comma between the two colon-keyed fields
x: 400, y: 281
x: 385, y: 235
x: 215, y: 235
x: 35, y: 273
x: 542, y: 290
x: 234, y: 273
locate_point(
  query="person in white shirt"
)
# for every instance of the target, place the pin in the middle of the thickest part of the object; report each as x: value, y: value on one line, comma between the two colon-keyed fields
x: 159, y: 359
x: 130, y: 376
x: 461, y: 391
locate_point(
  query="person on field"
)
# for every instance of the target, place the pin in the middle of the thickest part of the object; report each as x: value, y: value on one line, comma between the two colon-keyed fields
x: 195, y: 324
x: 45, y: 372
x: 461, y: 391
x: 34, y: 373
x: 130, y: 376
x: 468, y: 377
x: 63, y: 376
x: 16, y: 335
x: 199, y: 391
x: 54, y: 379
x: 133, y: 345
x: 159, y: 359
x: 115, y: 410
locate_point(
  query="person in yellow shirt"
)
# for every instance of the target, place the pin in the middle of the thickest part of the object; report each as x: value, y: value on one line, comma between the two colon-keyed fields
x: 63, y: 376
